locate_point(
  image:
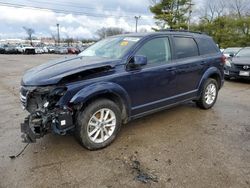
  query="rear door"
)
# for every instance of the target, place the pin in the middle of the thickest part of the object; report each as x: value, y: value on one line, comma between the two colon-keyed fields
x: 189, y: 65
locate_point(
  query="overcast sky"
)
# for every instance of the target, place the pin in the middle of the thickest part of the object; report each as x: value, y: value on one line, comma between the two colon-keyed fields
x: 87, y: 17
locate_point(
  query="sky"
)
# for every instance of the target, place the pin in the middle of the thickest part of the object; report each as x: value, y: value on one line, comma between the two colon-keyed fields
x: 77, y: 19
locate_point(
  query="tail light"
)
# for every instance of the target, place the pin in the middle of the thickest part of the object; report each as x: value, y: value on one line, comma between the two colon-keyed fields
x: 223, y: 59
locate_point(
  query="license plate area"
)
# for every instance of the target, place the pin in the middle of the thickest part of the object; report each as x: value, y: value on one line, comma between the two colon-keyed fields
x: 226, y: 72
x: 244, y: 73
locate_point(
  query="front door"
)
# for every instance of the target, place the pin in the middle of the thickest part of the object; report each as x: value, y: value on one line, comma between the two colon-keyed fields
x: 153, y: 85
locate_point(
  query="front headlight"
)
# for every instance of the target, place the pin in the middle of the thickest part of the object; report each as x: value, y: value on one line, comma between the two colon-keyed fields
x: 60, y: 91
x: 228, y: 63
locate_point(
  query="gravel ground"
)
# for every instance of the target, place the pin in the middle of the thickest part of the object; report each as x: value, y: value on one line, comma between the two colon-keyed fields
x: 180, y: 147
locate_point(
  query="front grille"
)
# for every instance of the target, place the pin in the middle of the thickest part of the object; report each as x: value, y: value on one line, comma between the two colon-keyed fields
x: 23, y: 96
x: 241, y: 67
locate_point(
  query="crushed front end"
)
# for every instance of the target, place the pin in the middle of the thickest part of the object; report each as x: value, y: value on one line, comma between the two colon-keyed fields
x: 46, y: 115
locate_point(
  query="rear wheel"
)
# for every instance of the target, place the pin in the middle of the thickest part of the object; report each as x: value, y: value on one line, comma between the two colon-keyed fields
x: 98, y: 124
x: 209, y: 94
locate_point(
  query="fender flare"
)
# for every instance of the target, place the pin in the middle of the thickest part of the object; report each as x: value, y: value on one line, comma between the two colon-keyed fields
x: 211, y: 71
x: 100, y: 88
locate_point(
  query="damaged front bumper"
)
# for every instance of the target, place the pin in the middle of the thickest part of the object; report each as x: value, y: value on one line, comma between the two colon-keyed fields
x: 45, y: 115
x: 38, y: 124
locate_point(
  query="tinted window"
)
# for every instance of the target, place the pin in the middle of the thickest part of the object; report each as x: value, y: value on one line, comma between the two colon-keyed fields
x: 156, y: 50
x: 185, y: 47
x: 206, y: 46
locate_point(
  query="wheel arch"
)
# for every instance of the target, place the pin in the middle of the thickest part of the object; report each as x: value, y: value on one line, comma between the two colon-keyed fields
x: 110, y: 91
x: 214, y: 73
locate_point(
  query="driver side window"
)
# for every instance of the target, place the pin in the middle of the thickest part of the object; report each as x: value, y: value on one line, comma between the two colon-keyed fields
x: 156, y: 50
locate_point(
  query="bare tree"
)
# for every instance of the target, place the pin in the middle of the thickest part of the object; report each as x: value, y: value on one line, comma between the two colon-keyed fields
x: 240, y: 7
x: 53, y: 36
x: 110, y: 31
x: 29, y: 32
x: 213, y: 9
x: 69, y: 40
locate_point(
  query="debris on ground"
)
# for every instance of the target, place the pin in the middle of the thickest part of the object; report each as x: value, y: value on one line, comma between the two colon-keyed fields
x: 141, y: 174
x: 16, y: 156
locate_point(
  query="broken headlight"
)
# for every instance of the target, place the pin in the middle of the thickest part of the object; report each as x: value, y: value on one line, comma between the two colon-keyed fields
x: 60, y: 91
x: 54, y: 96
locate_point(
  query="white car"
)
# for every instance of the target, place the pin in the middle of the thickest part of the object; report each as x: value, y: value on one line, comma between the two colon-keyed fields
x: 26, y: 49
x: 39, y: 50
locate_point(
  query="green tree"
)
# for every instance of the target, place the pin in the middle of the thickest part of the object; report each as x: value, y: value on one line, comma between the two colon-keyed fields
x: 171, y: 13
x: 227, y: 31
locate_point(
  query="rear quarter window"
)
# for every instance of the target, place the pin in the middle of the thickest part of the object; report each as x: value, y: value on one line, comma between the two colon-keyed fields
x: 185, y: 47
x: 206, y: 46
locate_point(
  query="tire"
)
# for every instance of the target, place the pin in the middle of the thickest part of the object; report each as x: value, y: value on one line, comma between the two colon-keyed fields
x: 93, y: 134
x: 208, y: 97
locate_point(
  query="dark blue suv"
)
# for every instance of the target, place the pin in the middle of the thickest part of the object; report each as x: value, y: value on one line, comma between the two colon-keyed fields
x: 119, y: 79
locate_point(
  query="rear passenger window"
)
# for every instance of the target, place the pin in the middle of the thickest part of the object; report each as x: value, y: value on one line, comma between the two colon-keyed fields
x: 156, y: 50
x: 206, y: 46
x: 185, y: 47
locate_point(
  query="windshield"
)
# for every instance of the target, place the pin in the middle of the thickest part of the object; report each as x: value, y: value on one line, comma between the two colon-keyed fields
x: 244, y: 53
x: 114, y: 47
x: 231, y: 50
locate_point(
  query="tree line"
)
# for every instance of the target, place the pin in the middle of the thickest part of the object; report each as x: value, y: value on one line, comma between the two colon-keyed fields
x: 227, y: 21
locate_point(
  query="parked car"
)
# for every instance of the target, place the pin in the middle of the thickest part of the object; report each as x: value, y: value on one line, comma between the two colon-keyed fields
x: 51, y: 49
x: 231, y: 52
x: 117, y: 80
x: 26, y: 49
x: 61, y: 50
x: 73, y: 50
x: 39, y: 50
x: 81, y: 48
x: 238, y: 66
x: 45, y: 49
x: 2, y: 49
x: 10, y: 49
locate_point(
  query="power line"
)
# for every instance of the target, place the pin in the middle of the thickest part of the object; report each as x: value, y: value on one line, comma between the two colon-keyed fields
x: 15, y: 5
x: 74, y: 5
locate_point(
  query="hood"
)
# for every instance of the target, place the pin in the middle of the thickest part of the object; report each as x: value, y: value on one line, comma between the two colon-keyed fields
x: 52, y: 72
x: 241, y: 60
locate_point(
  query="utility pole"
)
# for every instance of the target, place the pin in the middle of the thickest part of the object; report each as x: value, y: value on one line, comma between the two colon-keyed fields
x: 58, y: 34
x: 190, y: 4
x: 136, y: 22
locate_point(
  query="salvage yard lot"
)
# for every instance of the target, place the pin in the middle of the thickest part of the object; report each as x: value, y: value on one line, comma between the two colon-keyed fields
x: 180, y: 147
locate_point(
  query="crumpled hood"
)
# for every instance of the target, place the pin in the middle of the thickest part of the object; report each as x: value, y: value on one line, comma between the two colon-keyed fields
x: 52, y: 72
x: 241, y: 60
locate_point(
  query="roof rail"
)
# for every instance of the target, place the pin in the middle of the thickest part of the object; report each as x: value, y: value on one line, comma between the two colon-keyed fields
x: 179, y: 30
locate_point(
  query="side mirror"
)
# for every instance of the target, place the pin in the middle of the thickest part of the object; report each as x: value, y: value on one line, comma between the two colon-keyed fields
x: 231, y: 54
x: 137, y: 62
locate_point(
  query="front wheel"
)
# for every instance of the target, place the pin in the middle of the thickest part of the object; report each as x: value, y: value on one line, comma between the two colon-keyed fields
x: 98, y: 124
x: 209, y: 94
